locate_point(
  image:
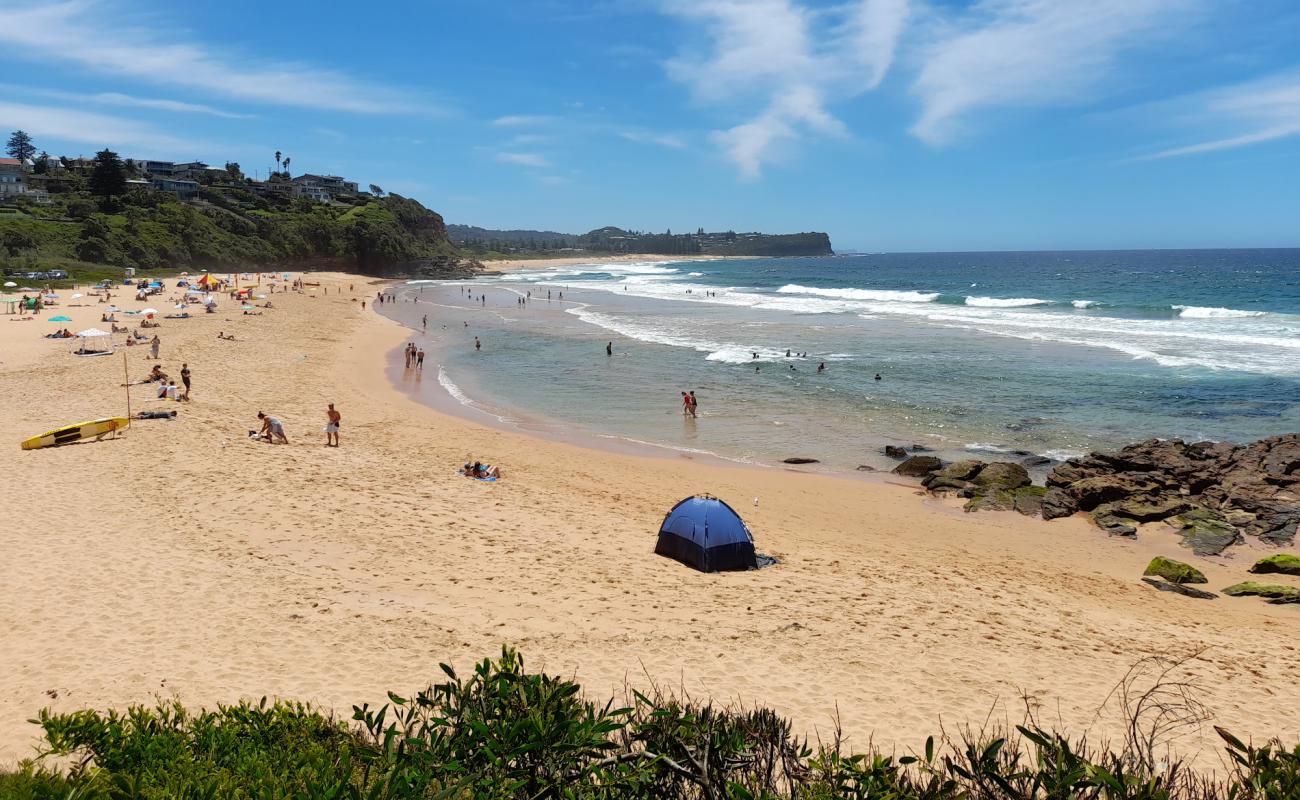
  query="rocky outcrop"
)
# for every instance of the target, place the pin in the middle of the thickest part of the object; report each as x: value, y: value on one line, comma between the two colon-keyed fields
x: 1282, y: 563
x: 1275, y: 593
x: 918, y: 466
x: 1214, y: 493
x: 894, y: 451
x: 1174, y: 571
x: 1178, y: 588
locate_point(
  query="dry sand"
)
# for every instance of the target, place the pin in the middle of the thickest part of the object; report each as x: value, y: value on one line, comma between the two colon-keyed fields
x: 184, y: 559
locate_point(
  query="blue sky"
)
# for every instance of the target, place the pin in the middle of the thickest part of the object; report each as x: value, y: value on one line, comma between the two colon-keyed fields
x: 891, y: 124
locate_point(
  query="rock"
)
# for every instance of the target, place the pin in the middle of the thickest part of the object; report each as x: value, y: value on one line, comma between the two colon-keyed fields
x: 1035, y: 461
x: 936, y: 483
x: 1114, y: 525
x: 1146, y: 508
x: 1029, y: 500
x: 1174, y: 571
x: 998, y: 500
x: 1178, y: 588
x: 917, y: 466
x: 1092, y: 492
x: 1282, y: 563
x: 1058, y: 503
x: 1206, y: 535
x: 1002, y: 475
x: 894, y: 451
x: 801, y: 461
x: 1274, y: 592
x: 960, y: 470
x: 920, y: 448
x: 865, y: 468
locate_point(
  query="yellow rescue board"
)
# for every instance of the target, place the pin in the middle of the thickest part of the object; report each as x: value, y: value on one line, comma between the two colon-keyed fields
x: 75, y: 433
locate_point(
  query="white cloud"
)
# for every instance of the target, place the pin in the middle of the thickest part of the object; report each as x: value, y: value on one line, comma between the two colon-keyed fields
x: 521, y: 120
x: 93, y: 35
x: 1259, y: 111
x: 125, y: 101
x: 96, y: 130
x: 670, y: 140
x: 789, y: 59
x: 1017, y: 53
x: 524, y: 159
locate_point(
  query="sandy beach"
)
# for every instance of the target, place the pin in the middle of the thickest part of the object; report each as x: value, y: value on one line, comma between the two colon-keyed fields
x: 183, y: 559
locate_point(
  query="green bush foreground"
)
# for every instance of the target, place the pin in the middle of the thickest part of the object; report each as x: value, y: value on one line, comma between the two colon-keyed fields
x: 506, y: 733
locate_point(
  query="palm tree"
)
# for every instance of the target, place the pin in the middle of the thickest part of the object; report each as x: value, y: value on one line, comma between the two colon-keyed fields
x: 277, y: 160
x: 286, y: 166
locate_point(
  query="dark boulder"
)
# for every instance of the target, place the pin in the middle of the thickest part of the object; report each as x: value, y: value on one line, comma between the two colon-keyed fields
x: 1035, y: 461
x: 918, y: 466
x: 801, y: 461
x: 960, y: 470
x: 893, y: 451
x: 1058, y: 503
x: 1002, y: 475
x: 1148, y: 508
x: 936, y: 483
x: 1092, y: 492
x: 1276, y: 593
x: 1029, y: 500
x: 1114, y: 525
x: 1282, y: 563
x: 865, y: 468
x: 1204, y: 533
x: 1178, y: 588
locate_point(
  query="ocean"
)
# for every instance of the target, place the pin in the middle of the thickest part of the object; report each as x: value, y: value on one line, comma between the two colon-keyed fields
x: 985, y: 354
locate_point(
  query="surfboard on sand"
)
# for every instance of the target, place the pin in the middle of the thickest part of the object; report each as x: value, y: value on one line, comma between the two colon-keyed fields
x: 75, y: 433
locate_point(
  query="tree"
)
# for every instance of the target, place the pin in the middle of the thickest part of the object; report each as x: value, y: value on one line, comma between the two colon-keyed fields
x: 376, y: 191
x: 42, y: 163
x: 233, y: 170
x: 277, y: 160
x: 20, y: 146
x: 108, y: 178
x: 286, y: 166
x: 16, y: 241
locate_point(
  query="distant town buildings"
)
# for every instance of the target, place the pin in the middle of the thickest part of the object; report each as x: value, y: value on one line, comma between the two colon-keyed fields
x: 13, y: 177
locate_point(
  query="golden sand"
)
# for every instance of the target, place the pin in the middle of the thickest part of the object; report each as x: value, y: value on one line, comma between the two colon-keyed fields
x: 183, y: 559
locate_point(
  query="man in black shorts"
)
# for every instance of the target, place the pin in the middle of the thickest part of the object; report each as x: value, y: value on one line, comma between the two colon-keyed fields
x: 185, y: 379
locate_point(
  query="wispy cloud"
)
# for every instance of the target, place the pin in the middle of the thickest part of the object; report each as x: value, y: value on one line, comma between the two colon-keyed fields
x: 94, y: 36
x: 524, y: 159
x: 788, y: 58
x: 1019, y: 53
x: 97, y: 130
x: 1260, y: 111
x: 125, y: 101
x: 670, y: 140
x: 521, y: 120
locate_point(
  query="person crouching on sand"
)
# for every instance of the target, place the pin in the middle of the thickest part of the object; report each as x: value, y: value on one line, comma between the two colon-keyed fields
x: 332, y: 427
x: 272, y: 429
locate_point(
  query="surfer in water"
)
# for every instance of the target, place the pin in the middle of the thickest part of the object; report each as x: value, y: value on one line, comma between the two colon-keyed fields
x: 609, y: 349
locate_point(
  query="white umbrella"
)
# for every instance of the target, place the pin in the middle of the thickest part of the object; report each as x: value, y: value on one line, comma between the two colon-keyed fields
x: 77, y: 295
x: 148, y: 311
x: 10, y: 284
x: 211, y: 301
x: 28, y: 289
x: 179, y: 305
x: 92, y: 332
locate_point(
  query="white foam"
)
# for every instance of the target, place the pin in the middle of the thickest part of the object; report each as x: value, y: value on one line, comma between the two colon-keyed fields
x: 1063, y: 455
x: 987, y: 448
x: 1005, y: 302
x: 887, y: 295
x: 1083, y: 303
x: 460, y: 397
x: 1203, y: 312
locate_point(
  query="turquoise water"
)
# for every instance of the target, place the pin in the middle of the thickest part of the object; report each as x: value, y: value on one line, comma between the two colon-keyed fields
x: 1045, y: 353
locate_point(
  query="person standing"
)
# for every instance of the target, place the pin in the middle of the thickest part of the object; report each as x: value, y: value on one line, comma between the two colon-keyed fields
x: 419, y: 360
x: 424, y: 322
x: 477, y: 344
x: 694, y: 405
x: 686, y: 404
x: 332, y: 426
x: 185, y: 379
x: 153, y: 347
x: 609, y: 349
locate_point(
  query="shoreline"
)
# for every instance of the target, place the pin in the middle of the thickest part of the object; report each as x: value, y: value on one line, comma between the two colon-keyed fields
x: 517, y: 264
x: 194, y: 563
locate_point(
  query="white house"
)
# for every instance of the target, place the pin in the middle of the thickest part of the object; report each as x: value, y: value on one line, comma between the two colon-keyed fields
x: 13, y: 177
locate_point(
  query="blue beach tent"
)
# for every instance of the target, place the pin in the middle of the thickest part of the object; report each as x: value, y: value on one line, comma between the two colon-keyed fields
x: 705, y: 533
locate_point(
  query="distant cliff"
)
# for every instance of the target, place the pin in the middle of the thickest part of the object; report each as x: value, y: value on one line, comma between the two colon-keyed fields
x: 488, y: 243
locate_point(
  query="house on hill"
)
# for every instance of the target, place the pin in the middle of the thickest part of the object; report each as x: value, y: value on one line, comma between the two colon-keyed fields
x: 13, y: 177
x: 323, y: 187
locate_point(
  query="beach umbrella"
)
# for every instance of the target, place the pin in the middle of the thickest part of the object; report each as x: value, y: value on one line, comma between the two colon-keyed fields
x: 148, y: 311
x: 211, y: 301
x: 179, y: 305
x: 90, y: 333
x: 77, y: 296
x: 10, y: 284
x: 27, y: 289
x: 59, y: 318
